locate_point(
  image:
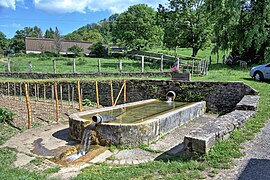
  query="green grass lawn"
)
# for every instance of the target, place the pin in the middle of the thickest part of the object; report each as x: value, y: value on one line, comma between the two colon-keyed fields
x: 219, y: 157
x: 204, y: 53
x: 83, y: 64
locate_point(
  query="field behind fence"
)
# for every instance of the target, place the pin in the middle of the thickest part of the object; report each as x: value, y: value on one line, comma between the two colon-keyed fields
x: 137, y: 62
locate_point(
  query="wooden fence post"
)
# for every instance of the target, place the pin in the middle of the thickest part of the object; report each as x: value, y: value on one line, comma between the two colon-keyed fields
x: 125, y: 91
x: 54, y: 66
x: 161, y: 63
x: 79, y: 96
x: 30, y: 66
x: 178, y: 63
x: 97, y: 96
x: 44, y: 91
x: 9, y: 71
x: 61, y: 95
x: 74, y: 65
x: 142, y: 69
x: 29, y: 113
x: 120, y: 65
x: 111, y: 85
x: 99, y: 66
x: 192, y: 69
x: 56, y: 102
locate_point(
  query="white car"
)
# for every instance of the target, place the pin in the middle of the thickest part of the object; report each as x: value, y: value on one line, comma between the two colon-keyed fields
x: 260, y: 72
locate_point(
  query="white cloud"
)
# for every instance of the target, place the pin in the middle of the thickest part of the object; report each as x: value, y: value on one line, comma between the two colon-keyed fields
x: 10, y: 3
x: 13, y: 25
x: 68, y: 6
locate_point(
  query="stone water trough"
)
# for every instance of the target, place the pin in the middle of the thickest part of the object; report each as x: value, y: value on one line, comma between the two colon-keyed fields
x: 141, y: 131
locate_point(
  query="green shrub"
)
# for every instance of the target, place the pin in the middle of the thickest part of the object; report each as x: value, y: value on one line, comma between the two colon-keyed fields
x: 6, y: 115
x: 87, y: 102
x: 81, y: 61
x: 50, y: 54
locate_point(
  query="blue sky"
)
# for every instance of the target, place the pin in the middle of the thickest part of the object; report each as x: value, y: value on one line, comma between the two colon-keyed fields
x: 67, y: 15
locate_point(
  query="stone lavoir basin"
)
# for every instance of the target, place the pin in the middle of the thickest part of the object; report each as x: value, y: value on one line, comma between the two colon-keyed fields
x: 135, y: 123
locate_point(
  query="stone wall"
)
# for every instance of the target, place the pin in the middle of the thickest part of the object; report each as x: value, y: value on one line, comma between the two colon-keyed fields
x: 220, y: 97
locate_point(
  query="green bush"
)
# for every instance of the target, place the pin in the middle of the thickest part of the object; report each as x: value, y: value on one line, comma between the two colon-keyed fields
x: 81, y: 61
x: 50, y: 54
x: 6, y: 115
x: 87, y: 102
x: 98, y: 49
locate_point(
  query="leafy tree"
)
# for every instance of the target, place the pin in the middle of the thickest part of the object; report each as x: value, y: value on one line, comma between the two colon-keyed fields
x: 185, y: 24
x: 49, y: 33
x: 242, y: 25
x: 18, y: 41
x: 97, y: 48
x: 3, y: 41
x: 136, y: 28
x: 92, y: 36
x: 57, y: 40
x: 77, y: 50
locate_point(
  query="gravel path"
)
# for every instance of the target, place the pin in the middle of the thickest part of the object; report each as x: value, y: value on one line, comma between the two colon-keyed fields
x: 255, y: 165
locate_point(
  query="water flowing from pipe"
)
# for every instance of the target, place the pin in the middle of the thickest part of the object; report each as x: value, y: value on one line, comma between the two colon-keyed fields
x: 85, y: 143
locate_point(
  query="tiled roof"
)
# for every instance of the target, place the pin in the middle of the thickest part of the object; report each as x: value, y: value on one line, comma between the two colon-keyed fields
x: 43, y: 44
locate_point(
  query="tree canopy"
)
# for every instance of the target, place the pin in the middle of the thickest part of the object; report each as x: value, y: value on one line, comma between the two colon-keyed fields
x: 3, y: 41
x: 136, y: 28
x: 185, y: 24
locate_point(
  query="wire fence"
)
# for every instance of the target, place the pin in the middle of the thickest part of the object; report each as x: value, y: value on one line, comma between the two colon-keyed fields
x: 137, y: 61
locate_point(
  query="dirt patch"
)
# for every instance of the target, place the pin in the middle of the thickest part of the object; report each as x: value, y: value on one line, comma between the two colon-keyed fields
x: 43, y: 111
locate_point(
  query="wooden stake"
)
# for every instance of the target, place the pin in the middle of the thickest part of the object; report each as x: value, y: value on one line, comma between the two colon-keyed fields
x: 37, y: 92
x: 68, y: 94
x: 21, y: 91
x: 8, y: 92
x: 14, y: 89
x: 125, y: 91
x: 111, y: 85
x: 97, y: 96
x: 52, y: 94
x: 72, y: 96
x: 28, y: 106
x: 44, y: 89
x: 119, y: 93
x: 56, y: 102
x: 79, y: 96
x: 61, y: 95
